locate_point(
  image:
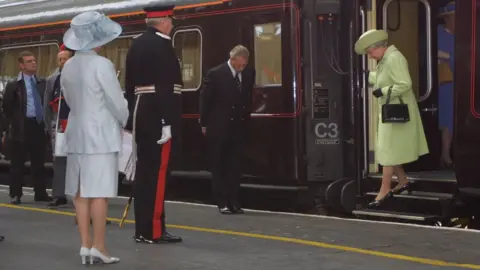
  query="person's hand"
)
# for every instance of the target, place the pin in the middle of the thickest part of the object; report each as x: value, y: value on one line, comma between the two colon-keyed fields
x: 378, y: 93
x: 166, y: 135
x: 204, y: 131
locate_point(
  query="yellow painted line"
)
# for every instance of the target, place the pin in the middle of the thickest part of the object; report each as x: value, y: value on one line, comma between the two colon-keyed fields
x: 276, y: 238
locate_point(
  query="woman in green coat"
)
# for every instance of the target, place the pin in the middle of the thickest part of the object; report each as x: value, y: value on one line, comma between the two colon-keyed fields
x: 397, y: 143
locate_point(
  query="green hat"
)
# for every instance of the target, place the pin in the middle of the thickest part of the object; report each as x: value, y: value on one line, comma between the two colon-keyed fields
x: 369, y: 38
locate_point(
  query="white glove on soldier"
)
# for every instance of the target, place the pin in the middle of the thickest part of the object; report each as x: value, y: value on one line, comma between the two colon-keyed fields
x: 166, y: 135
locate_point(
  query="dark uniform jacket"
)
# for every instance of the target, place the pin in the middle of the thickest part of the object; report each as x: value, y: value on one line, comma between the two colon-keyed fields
x: 151, y: 60
x: 224, y: 109
x: 15, y: 105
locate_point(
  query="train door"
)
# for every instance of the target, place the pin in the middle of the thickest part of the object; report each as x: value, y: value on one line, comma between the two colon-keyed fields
x: 412, y: 27
x: 467, y: 94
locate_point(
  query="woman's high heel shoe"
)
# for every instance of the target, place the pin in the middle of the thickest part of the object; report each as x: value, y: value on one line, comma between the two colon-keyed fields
x: 107, y: 260
x: 377, y: 203
x: 401, y: 189
x: 85, y: 254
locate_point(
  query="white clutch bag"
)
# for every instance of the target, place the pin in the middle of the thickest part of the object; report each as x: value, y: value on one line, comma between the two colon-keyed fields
x: 60, y: 149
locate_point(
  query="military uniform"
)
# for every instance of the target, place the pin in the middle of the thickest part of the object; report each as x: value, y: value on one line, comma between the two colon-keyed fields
x: 153, y: 88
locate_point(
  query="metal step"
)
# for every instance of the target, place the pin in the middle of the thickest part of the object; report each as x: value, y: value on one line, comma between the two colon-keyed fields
x: 430, y: 176
x: 394, y: 215
x: 419, y: 195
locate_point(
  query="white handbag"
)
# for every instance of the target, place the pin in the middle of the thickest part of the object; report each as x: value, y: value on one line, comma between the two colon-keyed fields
x: 60, y: 149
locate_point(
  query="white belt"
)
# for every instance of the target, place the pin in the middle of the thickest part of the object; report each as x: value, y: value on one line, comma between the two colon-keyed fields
x: 139, y: 91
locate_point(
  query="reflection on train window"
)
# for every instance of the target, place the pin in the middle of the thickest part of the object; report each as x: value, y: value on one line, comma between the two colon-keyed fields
x: 116, y: 51
x: 45, y: 54
x: 268, y: 54
x: 188, y: 47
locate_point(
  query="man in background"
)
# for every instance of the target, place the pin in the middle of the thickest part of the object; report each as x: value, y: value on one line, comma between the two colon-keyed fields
x: 52, y: 111
x: 23, y: 109
x: 225, y: 102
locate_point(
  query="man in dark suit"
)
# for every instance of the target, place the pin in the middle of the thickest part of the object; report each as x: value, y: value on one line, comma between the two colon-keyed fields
x: 51, y: 112
x: 22, y: 106
x: 225, y: 107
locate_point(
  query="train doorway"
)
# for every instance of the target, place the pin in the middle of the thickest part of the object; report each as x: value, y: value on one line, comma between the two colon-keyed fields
x: 412, y: 27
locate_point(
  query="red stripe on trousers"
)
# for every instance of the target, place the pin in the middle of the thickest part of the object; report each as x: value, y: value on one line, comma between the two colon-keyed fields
x: 160, y: 194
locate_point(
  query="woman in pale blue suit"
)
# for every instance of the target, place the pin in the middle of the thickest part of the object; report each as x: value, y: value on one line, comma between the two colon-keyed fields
x: 446, y: 55
x: 93, y: 136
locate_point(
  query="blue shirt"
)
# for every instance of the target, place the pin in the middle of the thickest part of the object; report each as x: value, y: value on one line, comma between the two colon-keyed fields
x: 446, y: 45
x: 30, y: 88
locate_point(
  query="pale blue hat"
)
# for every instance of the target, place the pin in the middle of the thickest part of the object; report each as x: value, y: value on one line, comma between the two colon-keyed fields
x: 90, y: 30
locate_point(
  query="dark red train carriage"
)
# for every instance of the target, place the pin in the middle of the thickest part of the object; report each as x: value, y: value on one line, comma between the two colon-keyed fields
x: 313, y: 127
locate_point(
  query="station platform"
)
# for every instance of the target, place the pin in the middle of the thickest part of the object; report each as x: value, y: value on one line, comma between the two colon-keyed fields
x: 41, y: 238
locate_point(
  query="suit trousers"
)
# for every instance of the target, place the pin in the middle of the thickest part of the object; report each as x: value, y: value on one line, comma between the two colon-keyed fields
x: 152, y: 172
x: 59, y: 174
x: 34, y: 145
x: 225, y: 159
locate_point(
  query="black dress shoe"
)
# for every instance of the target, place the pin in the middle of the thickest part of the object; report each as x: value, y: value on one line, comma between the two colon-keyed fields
x: 377, y: 203
x: 225, y: 210
x: 15, y: 200
x: 238, y: 210
x: 166, y: 238
x: 57, y: 201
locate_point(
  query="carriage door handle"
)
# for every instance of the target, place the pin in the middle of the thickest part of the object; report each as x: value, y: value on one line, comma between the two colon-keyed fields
x: 432, y: 109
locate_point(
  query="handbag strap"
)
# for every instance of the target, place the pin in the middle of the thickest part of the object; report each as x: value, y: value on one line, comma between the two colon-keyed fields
x: 389, y: 94
x: 59, y: 107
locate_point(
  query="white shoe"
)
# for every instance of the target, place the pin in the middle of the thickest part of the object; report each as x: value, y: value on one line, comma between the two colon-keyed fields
x: 85, y: 253
x: 95, y: 253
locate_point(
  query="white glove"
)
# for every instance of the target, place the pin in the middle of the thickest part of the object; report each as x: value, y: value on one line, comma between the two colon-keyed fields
x: 166, y: 135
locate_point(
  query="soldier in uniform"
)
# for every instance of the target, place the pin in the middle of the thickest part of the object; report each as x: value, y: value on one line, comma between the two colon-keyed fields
x: 153, y: 88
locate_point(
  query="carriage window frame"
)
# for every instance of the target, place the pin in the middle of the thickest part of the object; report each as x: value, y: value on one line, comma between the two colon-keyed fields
x: 132, y: 36
x: 256, y: 51
x: 30, y: 45
x: 185, y: 30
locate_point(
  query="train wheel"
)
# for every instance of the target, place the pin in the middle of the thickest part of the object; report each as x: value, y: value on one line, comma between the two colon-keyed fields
x: 349, y: 196
x: 333, y: 196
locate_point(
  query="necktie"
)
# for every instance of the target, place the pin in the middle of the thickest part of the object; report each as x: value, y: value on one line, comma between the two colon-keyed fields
x: 237, y: 80
x: 36, y: 101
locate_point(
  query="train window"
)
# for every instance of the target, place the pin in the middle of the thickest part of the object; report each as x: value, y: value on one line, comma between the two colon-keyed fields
x: 268, y: 54
x: 188, y: 47
x: 116, y: 51
x: 45, y: 54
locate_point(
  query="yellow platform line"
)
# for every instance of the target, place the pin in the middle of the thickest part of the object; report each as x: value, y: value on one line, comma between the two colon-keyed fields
x: 276, y: 238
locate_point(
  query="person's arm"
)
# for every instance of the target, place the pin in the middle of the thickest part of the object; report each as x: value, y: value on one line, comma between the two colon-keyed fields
x: 47, y: 108
x: 129, y: 90
x: 107, y: 78
x: 9, y: 99
x: 397, y: 71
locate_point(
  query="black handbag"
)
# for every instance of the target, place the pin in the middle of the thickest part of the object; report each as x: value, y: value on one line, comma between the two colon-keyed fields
x: 394, y: 113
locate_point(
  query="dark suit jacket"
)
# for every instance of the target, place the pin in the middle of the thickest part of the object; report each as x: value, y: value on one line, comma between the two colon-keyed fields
x: 224, y: 110
x: 15, y: 105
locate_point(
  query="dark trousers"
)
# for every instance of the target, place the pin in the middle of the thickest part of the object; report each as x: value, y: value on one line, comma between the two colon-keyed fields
x: 152, y: 172
x: 59, y: 174
x: 33, y: 145
x: 225, y: 166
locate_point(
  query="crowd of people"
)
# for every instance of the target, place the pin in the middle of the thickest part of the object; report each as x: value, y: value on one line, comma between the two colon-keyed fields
x: 82, y: 107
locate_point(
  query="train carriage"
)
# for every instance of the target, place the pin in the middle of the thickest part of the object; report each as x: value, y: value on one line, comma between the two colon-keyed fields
x: 314, y: 119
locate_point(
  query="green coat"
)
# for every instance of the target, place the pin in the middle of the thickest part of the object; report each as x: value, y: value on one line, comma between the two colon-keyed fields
x: 397, y: 143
